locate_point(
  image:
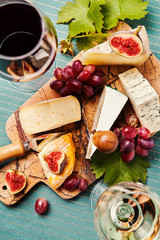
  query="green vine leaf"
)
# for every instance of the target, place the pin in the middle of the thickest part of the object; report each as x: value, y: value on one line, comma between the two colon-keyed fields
x: 115, y: 170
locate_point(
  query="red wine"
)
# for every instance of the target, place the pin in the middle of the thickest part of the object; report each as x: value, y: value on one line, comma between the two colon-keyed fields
x: 21, y: 29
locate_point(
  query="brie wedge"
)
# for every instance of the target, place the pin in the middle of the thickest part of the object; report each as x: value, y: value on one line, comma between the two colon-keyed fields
x: 110, y: 105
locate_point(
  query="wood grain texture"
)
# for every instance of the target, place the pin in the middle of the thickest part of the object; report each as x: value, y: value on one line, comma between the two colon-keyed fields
x: 30, y: 164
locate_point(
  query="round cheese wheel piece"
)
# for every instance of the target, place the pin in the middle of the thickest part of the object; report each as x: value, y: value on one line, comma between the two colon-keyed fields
x: 65, y: 144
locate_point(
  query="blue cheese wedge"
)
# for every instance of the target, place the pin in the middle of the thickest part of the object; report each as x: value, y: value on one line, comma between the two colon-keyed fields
x: 103, y: 54
x: 110, y: 105
x: 143, y: 97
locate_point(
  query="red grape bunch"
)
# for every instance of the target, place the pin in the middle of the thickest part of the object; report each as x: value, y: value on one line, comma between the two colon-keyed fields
x: 77, y: 79
x: 133, y: 140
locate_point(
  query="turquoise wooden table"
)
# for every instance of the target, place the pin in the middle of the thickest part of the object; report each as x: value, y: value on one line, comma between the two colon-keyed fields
x: 70, y: 219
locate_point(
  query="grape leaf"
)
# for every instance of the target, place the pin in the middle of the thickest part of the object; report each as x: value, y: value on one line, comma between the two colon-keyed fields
x: 115, y: 170
x: 113, y: 10
x: 85, y: 42
x: 83, y: 16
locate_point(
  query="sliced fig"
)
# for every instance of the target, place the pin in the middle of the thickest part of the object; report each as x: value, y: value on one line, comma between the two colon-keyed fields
x: 127, y: 43
x: 55, y: 161
x: 15, y: 181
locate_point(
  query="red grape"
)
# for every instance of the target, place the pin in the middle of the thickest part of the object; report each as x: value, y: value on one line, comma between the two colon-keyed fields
x: 144, y: 132
x: 71, y: 183
x: 132, y: 120
x: 128, y: 157
x: 95, y: 81
x: 116, y: 130
x: 146, y: 143
x: 56, y: 85
x: 83, y: 184
x: 129, y: 132
x: 41, y: 205
x: 69, y: 71
x: 90, y: 67
x: 84, y: 76
x: 74, y: 85
x: 65, y: 91
x: 127, y: 145
x: 65, y: 76
x: 121, y: 138
x: 142, y: 151
x: 88, y: 90
x: 98, y: 72
x: 77, y: 67
x: 58, y: 73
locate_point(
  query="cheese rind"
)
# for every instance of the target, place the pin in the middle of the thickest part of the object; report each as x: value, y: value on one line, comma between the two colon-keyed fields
x: 104, y: 55
x: 143, y: 97
x: 50, y: 114
x: 110, y: 105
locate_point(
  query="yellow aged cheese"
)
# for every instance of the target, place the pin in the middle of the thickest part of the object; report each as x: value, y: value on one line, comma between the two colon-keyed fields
x: 50, y: 114
x: 103, y: 54
x: 65, y: 144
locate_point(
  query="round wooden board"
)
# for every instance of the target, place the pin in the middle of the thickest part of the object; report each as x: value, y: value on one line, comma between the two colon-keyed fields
x: 30, y: 163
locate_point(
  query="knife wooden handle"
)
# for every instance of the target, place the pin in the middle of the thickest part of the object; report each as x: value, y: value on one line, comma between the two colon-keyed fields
x: 12, y: 150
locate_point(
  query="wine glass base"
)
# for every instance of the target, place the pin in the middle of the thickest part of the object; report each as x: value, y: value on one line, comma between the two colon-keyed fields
x: 96, y: 192
x: 34, y: 85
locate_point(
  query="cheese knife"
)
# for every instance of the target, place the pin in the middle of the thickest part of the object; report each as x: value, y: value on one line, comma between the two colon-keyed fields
x: 19, y: 148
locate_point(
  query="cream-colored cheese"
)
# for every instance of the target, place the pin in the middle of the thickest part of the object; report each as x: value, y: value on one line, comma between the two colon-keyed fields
x: 104, y: 55
x: 110, y: 105
x: 50, y: 114
x: 143, y: 97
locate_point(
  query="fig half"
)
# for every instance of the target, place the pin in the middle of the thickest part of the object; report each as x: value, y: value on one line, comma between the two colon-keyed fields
x: 127, y: 43
x: 15, y: 181
x: 55, y: 161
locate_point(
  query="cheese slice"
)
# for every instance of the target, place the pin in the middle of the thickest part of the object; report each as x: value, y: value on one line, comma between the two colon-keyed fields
x: 110, y: 105
x: 50, y: 114
x: 143, y: 97
x: 103, y: 54
x: 65, y: 144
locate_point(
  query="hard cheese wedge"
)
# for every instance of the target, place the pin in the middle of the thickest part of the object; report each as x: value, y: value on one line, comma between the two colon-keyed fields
x: 104, y: 55
x: 50, y: 114
x: 65, y: 144
x: 143, y: 97
x: 110, y: 105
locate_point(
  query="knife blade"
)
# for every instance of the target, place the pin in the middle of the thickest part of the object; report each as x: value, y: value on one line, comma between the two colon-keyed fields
x: 19, y: 148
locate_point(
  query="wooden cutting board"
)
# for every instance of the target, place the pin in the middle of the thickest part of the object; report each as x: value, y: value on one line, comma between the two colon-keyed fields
x: 30, y: 164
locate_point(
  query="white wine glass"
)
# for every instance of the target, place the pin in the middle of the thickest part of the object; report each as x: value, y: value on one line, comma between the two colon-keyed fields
x: 126, y: 211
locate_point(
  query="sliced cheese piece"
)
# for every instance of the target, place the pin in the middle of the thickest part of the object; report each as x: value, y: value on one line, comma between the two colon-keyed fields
x: 47, y: 140
x: 110, y: 105
x: 144, y: 98
x: 149, y: 116
x: 103, y: 54
x: 65, y: 144
x: 50, y: 114
x: 137, y: 87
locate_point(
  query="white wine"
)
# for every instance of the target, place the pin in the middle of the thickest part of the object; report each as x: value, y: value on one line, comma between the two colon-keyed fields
x: 128, y: 211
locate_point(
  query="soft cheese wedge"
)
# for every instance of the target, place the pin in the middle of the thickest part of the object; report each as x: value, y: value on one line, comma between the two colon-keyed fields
x: 110, y: 105
x: 50, y: 114
x: 144, y: 98
x: 65, y: 144
x: 104, y: 55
